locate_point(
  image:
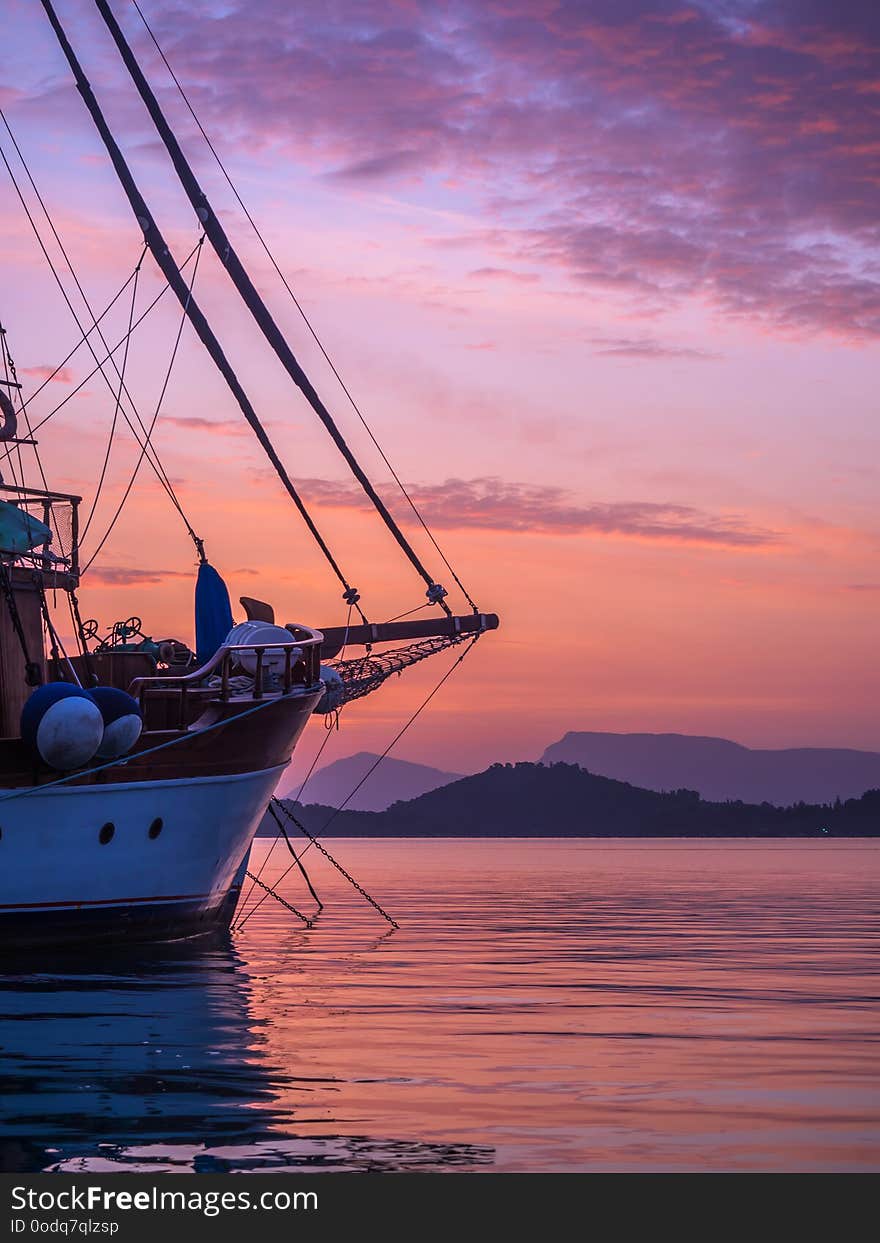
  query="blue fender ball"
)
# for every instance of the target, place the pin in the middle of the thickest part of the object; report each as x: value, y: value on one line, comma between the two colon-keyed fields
x: 62, y: 724
x: 122, y: 721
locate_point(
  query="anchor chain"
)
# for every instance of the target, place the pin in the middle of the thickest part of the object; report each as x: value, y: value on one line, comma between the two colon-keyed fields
x: 278, y: 898
x: 339, y: 868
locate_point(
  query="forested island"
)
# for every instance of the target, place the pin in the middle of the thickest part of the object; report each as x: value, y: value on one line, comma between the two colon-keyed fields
x: 564, y: 800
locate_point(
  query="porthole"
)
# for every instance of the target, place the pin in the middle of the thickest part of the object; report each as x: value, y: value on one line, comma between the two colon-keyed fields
x: 106, y: 833
x: 155, y: 828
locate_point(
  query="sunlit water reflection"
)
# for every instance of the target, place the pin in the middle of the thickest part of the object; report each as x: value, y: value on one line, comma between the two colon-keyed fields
x: 546, y: 1005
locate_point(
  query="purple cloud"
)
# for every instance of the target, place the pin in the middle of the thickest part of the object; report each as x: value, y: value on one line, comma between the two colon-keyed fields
x: 720, y: 150
x: 379, y: 167
x: 727, y: 152
x: 646, y: 347
x: 498, y: 505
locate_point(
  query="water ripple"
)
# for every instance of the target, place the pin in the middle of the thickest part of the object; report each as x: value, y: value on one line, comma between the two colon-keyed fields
x: 546, y: 1005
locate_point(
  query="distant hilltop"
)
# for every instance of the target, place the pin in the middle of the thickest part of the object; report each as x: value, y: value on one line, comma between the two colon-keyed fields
x: 718, y: 769
x: 563, y: 800
x: 391, y: 781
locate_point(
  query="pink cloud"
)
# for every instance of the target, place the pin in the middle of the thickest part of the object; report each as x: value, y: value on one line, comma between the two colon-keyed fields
x: 214, y: 427
x: 44, y: 372
x: 498, y: 505
x: 648, y: 348
x: 504, y: 274
x: 124, y: 576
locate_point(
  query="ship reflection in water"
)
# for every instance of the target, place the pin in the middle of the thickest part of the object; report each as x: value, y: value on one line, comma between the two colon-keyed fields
x: 155, y: 1063
x: 545, y: 1006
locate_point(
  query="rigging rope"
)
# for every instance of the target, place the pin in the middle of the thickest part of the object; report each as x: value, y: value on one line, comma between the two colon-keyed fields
x: 255, y: 879
x: 408, y: 613
x: 364, y: 674
x: 80, y: 631
x: 106, y: 461
x: 9, y: 412
x: 156, y: 465
x: 52, y: 374
x: 9, y: 369
x: 313, y: 837
x: 140, y: 319
x: 253, y: 300
x: 55, y: 643
x: 474, y: 639
x: 27, y: 791
x: 164, y: 389
x: 246, y: 897
x: 303, y: 784
x: 305, y: 875
x: 320, y: 344
x: 11, y: 377
x: 32, y: 673
x: 170, y: 270
x: 67, y: 261
x: 313, y: 841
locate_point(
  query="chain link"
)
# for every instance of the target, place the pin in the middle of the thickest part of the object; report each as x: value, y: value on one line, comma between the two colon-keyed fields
x: 339, y: 868
x: 278, y: 898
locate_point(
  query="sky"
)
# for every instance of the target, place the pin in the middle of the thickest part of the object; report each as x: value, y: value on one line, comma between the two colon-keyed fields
x: 603, y: 279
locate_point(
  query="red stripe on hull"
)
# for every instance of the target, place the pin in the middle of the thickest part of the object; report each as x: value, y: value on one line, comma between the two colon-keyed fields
x: 57, y: 906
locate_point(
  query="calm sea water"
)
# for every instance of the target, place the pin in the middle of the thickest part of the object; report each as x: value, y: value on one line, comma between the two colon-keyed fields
x: 545, y: 1006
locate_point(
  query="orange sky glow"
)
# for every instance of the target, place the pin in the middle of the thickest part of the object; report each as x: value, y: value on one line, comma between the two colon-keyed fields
x: 653, y: 454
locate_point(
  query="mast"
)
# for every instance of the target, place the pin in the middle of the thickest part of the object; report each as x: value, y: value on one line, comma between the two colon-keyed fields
x: 168, y: 266
x: 227, y: 255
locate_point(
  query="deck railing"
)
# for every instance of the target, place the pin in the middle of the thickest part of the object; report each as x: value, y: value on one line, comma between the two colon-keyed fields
x: 302, y: 668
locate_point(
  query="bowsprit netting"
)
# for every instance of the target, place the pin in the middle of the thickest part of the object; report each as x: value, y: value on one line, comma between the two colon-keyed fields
x: 364, y: 674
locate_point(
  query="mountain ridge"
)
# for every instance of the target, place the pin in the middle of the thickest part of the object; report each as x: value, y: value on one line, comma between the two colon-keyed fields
x: 391, y: 781
x: 563, y: 800
x: 719, y: 769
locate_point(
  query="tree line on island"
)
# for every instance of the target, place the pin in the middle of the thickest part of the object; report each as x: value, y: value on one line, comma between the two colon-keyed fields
x: 564, y: 800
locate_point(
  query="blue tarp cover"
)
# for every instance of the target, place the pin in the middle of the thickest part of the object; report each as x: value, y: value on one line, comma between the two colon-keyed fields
x: 213, y: 612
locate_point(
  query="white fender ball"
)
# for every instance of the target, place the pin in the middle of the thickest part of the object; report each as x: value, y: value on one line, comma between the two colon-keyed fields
x: 62, y: 724
x: 334, y: 689
x: 122, y: 720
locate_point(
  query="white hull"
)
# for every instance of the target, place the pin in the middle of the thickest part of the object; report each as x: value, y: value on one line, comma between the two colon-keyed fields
x: 60, y: 880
